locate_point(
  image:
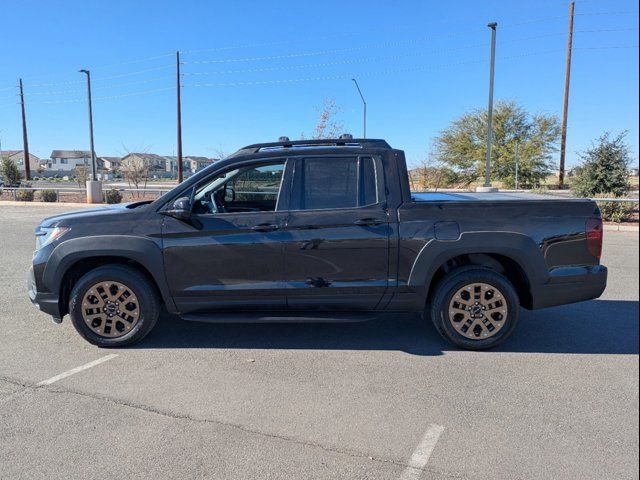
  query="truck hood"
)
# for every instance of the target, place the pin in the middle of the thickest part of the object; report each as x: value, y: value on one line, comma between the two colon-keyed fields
x: 92, y: 213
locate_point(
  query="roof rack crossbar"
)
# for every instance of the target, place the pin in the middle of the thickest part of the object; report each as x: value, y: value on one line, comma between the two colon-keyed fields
x: 329, y: 142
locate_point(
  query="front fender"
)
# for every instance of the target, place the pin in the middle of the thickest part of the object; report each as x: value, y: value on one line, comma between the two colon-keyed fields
x: 145, y: 251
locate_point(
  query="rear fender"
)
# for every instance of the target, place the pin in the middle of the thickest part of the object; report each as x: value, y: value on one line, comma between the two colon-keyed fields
x: 520, y: 248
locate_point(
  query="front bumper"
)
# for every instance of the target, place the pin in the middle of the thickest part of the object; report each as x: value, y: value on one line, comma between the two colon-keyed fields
x: 571, y: 285
x: 45, y: 301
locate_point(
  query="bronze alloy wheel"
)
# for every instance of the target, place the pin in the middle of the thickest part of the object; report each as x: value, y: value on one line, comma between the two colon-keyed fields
x: 478, y: 311
x: 110, y: 309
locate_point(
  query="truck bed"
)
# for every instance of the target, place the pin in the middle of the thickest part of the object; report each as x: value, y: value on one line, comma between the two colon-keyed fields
x: 487, y: 197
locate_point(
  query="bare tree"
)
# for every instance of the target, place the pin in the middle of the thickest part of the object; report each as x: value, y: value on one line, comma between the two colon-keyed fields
x: 136, y: 171
x: 219, y: 152
x: 80, y: 175
x: 328, y: 126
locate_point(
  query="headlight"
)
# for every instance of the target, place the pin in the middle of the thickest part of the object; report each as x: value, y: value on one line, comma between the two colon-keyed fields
x: 46, y: 235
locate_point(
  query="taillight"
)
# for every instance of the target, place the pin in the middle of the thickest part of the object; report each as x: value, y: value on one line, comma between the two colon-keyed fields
x: 594, y: 236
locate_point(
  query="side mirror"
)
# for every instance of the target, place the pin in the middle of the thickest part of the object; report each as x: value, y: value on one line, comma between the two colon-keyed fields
x: 229, y: 194
x: 181, y: 209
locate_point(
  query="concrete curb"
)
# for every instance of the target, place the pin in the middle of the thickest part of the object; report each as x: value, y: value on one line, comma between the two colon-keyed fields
x: 52, y: 204
x: 621, y: 228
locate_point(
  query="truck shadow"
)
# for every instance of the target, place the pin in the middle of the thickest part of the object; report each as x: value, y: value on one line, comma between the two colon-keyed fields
x: 595, y: 327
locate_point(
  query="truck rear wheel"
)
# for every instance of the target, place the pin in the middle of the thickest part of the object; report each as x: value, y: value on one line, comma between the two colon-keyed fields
x: 475, y: 308
x: 113, y: 306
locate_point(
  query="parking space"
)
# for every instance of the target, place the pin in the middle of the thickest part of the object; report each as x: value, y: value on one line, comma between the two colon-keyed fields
x: 387, y: 399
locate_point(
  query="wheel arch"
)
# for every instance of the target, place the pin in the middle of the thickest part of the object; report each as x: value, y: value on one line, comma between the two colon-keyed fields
x: 514, y: 255
x: 72, y: 259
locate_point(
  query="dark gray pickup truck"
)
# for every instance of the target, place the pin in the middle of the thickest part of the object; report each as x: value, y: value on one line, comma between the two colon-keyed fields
x: 323, y: 230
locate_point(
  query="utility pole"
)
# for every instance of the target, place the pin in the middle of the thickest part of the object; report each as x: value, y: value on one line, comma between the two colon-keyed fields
x: 179, y: 112
x: 516, y: 158
x: 565, y: 106
x: 364, y: 104
x: 487, y: 174
x: 25, y: 138
x: 94, y: 188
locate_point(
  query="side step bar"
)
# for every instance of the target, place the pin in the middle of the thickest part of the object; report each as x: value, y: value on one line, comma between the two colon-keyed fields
x: 277, y: 317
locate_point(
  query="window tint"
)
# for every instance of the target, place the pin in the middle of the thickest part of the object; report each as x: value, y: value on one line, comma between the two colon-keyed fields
x: 336, y: 183
x: 369, y: 192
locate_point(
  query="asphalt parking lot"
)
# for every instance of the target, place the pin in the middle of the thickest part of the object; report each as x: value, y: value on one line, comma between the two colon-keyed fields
x: 386, y: 399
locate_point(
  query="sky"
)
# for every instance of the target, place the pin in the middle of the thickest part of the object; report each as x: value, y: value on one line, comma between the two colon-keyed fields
x: 254, y: 71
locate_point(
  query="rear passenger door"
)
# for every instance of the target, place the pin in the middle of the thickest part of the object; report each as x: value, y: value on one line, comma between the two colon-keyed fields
x: 337, y: 247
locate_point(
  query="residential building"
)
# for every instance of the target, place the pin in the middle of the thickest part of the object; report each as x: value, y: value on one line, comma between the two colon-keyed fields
x: 68, y: 160
x: 152, y: 161
x: 164, y: 165
x: 190, y: 164
x: 17, y: 156
x: 109, y: 163
x: 198, y: 163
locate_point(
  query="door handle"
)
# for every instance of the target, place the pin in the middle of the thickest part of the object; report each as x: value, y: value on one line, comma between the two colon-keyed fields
x: 367, y: 222
x: 265, y: 227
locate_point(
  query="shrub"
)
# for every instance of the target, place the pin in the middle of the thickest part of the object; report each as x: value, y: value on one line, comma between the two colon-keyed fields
x: 49, y: 195
x: 24, y: 195
x: 113, y: 196
x: 605, y: 168
x: 9, y: 172
x: 617, y: 212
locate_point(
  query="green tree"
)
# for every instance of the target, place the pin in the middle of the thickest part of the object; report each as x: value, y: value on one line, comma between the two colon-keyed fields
x: 604, y: 168
x: 10, y: 172
x: 462, y: 146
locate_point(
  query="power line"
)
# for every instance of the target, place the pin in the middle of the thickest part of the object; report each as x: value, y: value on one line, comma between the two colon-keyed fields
x: 607, y: 47
x: 329, y: 64
x: 99, y: 87
x: 110, y: 77
x: 377, y: 72
x: 131, y: 62
x: 318, y: 52
x: 373, y: 45
x: 110, y: 97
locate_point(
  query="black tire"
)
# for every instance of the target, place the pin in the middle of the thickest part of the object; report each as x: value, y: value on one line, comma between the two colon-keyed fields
x: 149, y: 304
x: 451, y: 284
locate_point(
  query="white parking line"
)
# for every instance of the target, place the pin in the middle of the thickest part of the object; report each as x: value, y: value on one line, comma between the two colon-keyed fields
x: 421, y: 454
x: 68, y: 373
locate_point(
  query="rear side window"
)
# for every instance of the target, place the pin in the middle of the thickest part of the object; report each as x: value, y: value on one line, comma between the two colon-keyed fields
x: 330, y: 182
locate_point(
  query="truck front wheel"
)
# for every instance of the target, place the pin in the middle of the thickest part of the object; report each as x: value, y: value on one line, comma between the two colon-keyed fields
x: 475, y: 308
x: 113, y: 306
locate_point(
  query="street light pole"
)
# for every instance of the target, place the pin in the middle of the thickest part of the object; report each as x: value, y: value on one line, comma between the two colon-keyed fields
x: 179, y: 117
x: 93, y: 152
x: 364, y: 105
x: 487, y: 174
x: 94, y: 187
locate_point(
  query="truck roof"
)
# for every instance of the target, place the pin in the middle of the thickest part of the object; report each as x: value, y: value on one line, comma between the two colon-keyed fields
x: 341, y: 143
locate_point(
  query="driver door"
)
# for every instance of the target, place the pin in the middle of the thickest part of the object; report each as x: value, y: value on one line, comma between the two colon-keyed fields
x: 229, y: 255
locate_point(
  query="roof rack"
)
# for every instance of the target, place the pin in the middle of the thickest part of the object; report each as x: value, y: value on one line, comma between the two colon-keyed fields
x: 324, y: 143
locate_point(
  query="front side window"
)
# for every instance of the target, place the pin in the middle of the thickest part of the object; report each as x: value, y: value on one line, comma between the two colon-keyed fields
x: 252, y: 188
x: 339, y: 182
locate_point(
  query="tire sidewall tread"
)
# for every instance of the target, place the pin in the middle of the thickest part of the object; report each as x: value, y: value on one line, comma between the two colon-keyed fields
x: 147, y: 297
x: 455, y: 280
